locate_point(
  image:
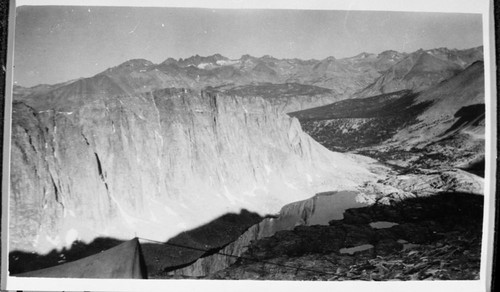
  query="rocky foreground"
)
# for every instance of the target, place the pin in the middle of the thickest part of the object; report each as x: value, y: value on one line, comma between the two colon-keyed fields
x: 427, y: 238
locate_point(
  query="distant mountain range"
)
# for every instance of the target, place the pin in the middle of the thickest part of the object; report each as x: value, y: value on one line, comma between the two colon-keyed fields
x: 422, y: 69
x: 359, y: 76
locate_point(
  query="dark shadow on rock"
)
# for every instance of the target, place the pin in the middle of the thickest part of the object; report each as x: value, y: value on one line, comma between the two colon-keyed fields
x: 463, y: 207
x: 370, y: 107
x: 124, y: 261
x: 21, y: 262
x: 181, y: 250
x: 188, y: 246
x: 476, y: 168
x: 471, y: 114
x: 435, y: 237
x: 380, y: 118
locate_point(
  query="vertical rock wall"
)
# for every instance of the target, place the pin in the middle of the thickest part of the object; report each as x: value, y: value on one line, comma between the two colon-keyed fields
x: 159, y: 163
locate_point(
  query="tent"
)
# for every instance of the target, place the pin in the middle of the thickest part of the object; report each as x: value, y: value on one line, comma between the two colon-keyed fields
x: 124, y: 261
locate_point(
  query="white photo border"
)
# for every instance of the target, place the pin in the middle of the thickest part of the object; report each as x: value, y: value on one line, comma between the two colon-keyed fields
x: 483, y: 7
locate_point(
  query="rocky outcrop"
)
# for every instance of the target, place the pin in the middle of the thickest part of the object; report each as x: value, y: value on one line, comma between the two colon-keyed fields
x: 155, y: 164
x: 432, y: 238
x: 420, y: 183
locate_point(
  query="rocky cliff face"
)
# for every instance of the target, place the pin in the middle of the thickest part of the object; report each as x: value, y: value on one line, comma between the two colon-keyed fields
x: 155, y: 164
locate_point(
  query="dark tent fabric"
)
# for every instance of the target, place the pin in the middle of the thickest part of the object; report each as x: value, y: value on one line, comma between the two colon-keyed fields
x: 124, y: 261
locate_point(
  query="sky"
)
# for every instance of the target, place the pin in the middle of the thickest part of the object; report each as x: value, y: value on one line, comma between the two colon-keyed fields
x: 58, y: 43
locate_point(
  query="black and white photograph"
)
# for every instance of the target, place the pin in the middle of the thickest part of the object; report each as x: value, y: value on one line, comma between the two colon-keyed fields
x: 285, y: 144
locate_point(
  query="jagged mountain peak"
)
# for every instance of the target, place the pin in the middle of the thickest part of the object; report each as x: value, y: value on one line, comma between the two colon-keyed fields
x: 169, y: 61
x: 135, y: 63
x: 329, y: 59
x: 469, y: 79
x: 329, y: 64
x: 247, y: 57
x: 426, y: 62
x: 461, y: 57
x: 198, y: 60
x: 416, y: 71
x: 363, y: 55
x: 421, y: 60
x: 391, y: 54
x: 129, y: 66
x: 268, y: 58
x: 441, y: 49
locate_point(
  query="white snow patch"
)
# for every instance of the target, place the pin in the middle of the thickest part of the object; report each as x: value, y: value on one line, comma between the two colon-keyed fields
x: 203, y: 65
x: 227, y: 62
